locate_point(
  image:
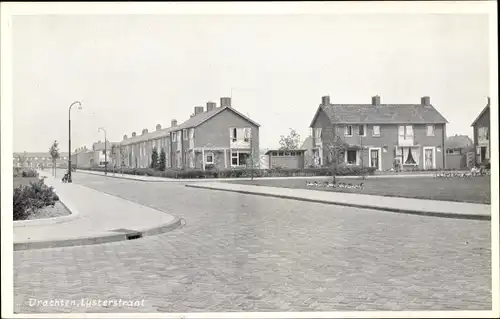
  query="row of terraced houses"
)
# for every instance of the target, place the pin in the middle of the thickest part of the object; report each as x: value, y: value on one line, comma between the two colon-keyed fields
x: 376, y: 134
x: 212, y: 136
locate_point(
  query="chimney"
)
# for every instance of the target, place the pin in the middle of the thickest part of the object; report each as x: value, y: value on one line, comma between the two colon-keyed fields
x: 133, y: 134
x: 210, y: 106
x: 198, y: 110
x: 488, y: 101
x: 158, y: 127
x: 173, y: 123
x: 225, y: 102
x: 426, y: 101
x: 124, y: 137
x: 144, y: 131
x: 325, y: 100
x: 375, y: 100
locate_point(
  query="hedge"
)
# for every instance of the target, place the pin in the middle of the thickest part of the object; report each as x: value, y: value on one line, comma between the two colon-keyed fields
x: 29, y: 198
x: 24, y: 172
x: 342, y: 170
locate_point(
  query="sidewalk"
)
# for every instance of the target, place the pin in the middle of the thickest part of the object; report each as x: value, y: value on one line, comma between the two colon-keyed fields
x: 98, y: 218
x: 392, y: 204
x: 193, y: 180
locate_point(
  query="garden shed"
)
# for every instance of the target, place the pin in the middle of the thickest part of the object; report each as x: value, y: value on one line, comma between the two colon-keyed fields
x: 284, y: 158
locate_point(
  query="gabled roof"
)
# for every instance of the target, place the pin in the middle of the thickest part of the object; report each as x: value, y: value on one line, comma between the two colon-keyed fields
x: 205, y: 116
x: 194, y: 121
x: 308, y: 143
x: 486, y: 108
x: 381, y: 114
x: 458, y: 141
x: 148, y: 136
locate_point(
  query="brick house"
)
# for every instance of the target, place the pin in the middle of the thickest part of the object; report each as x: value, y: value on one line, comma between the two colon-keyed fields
x: 481, y: 128
x: 380, y: 135
x: 216, y: 136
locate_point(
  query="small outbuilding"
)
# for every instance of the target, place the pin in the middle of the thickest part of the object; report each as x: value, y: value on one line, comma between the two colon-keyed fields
x: 284, y: 158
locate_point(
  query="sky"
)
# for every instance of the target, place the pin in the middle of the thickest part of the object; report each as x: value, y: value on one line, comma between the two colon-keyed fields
x: 135, y: 71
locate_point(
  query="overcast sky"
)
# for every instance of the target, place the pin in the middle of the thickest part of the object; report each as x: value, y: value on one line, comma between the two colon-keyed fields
x: 133, y: 72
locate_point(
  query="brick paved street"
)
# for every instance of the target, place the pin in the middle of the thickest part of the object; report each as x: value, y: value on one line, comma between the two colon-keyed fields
x: 251, y: 253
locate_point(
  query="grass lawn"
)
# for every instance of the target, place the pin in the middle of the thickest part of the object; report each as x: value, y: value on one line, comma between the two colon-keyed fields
x: 21, y: 181
x: 474, y: 190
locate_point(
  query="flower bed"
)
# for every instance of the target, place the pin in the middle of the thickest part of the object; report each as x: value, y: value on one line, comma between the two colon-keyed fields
x: 241, y: 172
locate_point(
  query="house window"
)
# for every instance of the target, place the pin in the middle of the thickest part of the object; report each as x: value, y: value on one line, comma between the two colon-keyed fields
x: 348, y: 130
x: 173, y: 137
x: 191, y: 133
x: 287, y: 153
x: 406, y: 131
x: 292, y: 153
x: 483, y: 133
x: 242, y: 159
x: 239, y: 158
x: 209, y: 158
x: 317, y: 133
x: 275, y: 153
x: 247, y: 133
x: 234, y: 134
x: 410, y: 156
x: 234, y: 159
x: 280, y: 153
x: 430, y: 130
x: 376, y: 130
x: 351, y: 156
x: 361, y: 130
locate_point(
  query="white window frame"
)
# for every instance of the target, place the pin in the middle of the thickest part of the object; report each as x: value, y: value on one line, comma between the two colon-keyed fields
x: 247, y: 134
x: 373, y: 131
x: 364, y: 129
x: 185, y: 136
x: 191, y: 133
x: 406, y: 129
x: 346, y: 130
x: 179, y: 140
x: 237, y: 158
x: 379, y: 157
x: 433, y: 132
x: 206, y: 158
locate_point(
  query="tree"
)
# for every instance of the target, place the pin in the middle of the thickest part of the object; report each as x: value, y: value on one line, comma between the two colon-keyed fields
x: 162, y: 164
x: 291, y: 141
x: 154, y: 158
x: 22, y: 159
x: 54, y: 153
x: 335, y: 147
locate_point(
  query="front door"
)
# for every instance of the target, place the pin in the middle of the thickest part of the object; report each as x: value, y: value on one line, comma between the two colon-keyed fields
x: 429, y: 158
x: 375, y: 158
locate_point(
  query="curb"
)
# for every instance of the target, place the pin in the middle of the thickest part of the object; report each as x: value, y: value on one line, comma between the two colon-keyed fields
x: 386, y: 209
x: 176, y: 223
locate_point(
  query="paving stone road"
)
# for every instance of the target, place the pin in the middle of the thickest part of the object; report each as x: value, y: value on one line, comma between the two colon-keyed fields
x: 251, y: 253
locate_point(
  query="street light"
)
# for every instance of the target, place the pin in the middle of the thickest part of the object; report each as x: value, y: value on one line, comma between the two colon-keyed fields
x: 105, y: 151
x: 69, y: 137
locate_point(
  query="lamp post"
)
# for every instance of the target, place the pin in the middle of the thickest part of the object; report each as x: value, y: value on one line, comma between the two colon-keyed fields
x: 105, y: 151
x: 69, y: 138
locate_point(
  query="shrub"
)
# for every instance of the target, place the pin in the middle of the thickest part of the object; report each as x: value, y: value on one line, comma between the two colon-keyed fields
x: 29, y: 173
x: 212, y: 172
x: 29, y: 198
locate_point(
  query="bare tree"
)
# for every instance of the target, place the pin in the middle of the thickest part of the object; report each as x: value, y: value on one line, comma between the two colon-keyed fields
x: 291, y: 141
x: 22, y: 159
x: 54, y: 153
x: 335, y: 147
